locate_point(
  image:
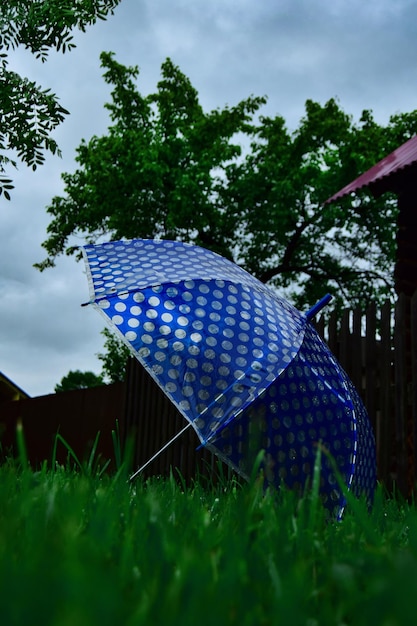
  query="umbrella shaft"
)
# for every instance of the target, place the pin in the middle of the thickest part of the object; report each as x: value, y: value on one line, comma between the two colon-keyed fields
x: 138, y: 471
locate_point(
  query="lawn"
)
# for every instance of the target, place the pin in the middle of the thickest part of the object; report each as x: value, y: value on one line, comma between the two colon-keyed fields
x: 78, y: 549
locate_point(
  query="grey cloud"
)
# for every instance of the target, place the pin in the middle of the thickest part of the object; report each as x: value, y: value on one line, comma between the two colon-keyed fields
x: 362, y: 52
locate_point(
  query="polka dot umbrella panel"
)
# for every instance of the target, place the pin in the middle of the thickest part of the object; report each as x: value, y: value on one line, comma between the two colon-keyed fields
x: 243, y: 366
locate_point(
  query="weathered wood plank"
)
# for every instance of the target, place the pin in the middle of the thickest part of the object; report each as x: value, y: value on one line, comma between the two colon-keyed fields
x: 413, y: 385
x: 401, y: 404
x: 344, y: 343
x: 356, y: 350
x: 385, y: 433
x: 370, y: 364
x: 333, y: 334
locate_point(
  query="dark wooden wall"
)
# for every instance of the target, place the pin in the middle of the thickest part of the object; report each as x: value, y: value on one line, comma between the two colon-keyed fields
x: 77, y: 415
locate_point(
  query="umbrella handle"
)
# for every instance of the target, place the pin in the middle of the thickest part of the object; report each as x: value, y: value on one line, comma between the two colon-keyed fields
x: 318, y: 307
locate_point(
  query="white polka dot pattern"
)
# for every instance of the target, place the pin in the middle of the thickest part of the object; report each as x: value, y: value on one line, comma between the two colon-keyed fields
x: 227, y: 350
x: 311, y: 403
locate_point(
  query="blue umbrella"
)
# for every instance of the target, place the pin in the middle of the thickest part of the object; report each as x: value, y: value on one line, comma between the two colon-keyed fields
x: 245, y: 368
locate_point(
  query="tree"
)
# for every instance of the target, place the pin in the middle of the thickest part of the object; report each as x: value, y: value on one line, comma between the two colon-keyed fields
x: 114, y: 359
x: 157, y: 172
x: 29, y: 113
x: 75, y: 379
x: 168, y: 169
x: 294, y: 240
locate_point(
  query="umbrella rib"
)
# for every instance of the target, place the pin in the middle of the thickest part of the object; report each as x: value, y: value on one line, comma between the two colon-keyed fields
x: 138, y: 471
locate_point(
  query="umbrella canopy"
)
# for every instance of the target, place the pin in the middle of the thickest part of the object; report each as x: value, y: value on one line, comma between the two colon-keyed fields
x: 244, y: 367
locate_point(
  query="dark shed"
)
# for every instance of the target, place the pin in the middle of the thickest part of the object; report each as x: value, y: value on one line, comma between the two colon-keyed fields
x: 397, y: 173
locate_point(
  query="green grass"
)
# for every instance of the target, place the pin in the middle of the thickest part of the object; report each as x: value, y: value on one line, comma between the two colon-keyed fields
x: 80, y: 548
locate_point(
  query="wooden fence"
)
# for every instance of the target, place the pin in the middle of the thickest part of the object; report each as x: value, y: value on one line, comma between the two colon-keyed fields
x: 76, y: 415
x: 378, y: 350
x: 151, y: 421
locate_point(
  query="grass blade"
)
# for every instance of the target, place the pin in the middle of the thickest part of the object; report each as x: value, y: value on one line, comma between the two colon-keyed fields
x: 21, y: 445
x: 70, y: 451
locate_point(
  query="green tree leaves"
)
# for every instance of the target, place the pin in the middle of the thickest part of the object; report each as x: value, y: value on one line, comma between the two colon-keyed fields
x: 75, y: 379
x: 289, y: 236
x: 29, y: 114
x: 40, y: 25
x: 115, y: 358
x: 158, y: 171
x: 166, y: 168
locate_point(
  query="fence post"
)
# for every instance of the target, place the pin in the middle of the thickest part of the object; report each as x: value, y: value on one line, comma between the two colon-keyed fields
x: 413, y: 385
x: 345, y: 353
x: 356, y: 360
x: 333, y: 338
x: 371, y: 361
x: 386, y: 418
x: 401, y: 400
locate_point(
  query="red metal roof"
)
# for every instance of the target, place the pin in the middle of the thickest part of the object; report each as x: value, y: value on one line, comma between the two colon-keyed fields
x: 402, y: 158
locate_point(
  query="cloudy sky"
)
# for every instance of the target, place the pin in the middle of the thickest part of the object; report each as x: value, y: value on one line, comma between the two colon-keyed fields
x: 363, y: 53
